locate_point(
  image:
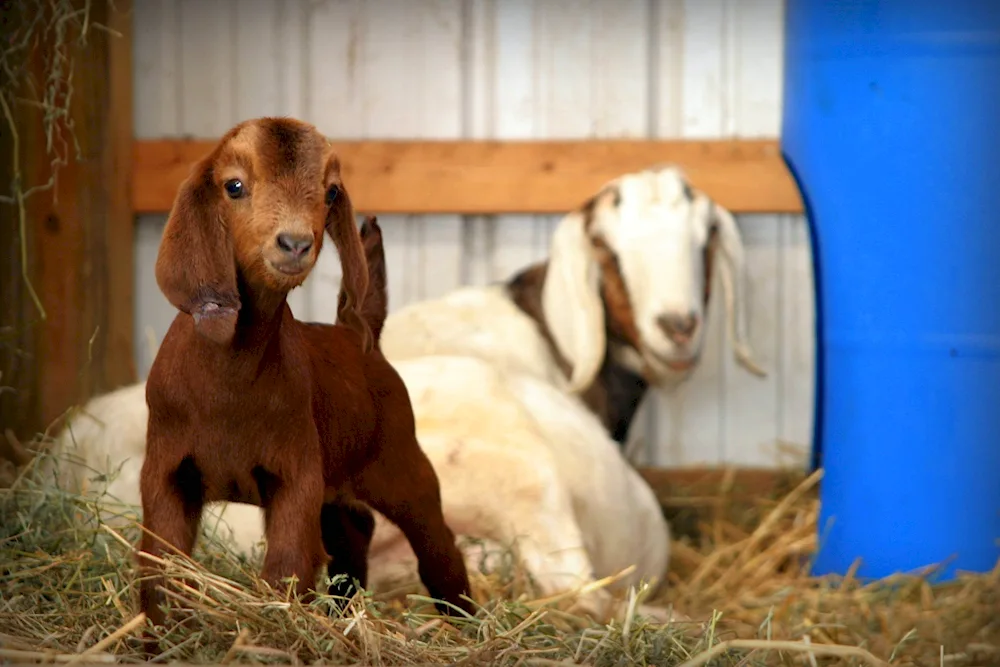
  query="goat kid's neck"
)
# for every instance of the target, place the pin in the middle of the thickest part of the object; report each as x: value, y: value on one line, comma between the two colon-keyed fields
x: 259, y: 320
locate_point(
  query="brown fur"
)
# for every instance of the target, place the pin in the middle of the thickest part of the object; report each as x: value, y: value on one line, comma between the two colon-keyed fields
x: 708, y: 262
x: 617, y: 304
x: 248, y: 404
x: 525, y: 290
x: 375, y: 307
x: 294, y: 167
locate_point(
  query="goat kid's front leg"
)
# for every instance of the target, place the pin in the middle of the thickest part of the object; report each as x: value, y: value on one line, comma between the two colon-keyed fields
x: 172, y: 501
x: 413, y: 503
x: 294, y: 538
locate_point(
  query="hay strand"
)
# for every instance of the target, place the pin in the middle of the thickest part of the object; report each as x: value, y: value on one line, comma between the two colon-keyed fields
x: 773, y: 645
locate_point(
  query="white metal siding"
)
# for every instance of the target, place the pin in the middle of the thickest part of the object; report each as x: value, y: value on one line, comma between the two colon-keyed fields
x: 506, y: 69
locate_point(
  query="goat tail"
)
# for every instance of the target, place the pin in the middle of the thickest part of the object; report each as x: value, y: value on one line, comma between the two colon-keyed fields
x: 375, y: 306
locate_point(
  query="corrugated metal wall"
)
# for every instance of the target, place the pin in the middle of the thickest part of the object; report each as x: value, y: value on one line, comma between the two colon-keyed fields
x: 506, y: 69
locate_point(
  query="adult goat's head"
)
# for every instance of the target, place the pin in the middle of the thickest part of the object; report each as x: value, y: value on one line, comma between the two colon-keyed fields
x: 250, y: 219
x: 636, y: 262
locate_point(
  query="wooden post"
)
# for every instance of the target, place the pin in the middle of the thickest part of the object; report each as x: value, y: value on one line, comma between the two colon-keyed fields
x: 79, y: 232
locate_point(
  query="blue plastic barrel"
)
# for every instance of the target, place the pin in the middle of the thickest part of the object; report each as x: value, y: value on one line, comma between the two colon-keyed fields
x: 891, y: 126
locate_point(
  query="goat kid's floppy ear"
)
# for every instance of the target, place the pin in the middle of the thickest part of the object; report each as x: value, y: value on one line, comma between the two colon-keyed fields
x: 343, y: 230
x: 195, y: 265
x: 571, y: 300
x: 731, y: 271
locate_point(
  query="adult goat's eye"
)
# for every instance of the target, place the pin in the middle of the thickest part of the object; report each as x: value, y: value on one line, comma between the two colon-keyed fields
x: 331, y: 195
x: 234, y: 188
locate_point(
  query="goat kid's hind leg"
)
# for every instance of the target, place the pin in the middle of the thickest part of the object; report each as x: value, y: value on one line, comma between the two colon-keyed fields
x: 413, y: 503
x: 294, y: 540
x: 347, y: 534
x: 172, y: 501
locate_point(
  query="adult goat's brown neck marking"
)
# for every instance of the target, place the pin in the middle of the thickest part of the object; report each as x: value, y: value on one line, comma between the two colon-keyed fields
x: 616, y: 392
x: 247, y: 226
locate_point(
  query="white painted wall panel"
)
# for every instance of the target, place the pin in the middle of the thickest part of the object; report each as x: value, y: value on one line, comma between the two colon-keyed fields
x: 506, y: 69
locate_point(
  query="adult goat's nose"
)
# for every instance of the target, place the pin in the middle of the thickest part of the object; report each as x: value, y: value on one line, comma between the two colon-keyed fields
x: 678, y: 328
x: 295, y: 245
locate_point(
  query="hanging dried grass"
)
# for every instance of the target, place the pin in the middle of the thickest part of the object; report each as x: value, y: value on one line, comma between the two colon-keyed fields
x: 36, y: 75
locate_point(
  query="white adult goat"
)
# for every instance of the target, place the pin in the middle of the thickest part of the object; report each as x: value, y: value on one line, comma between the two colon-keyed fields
x: 496, y: 373
x: 630, y: 269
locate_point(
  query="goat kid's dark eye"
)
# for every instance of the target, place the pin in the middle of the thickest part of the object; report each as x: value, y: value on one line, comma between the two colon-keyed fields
x: 234, y: 188
x: 331, y: 194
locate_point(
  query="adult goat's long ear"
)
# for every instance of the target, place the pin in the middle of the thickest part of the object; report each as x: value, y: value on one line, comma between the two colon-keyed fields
x: 732, y: 273
x: 195, y: 265
x: 343, y: 230
x: 571, y: 299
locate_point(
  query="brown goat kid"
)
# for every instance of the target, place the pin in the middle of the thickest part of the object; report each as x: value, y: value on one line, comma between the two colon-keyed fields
x: 248, y: 404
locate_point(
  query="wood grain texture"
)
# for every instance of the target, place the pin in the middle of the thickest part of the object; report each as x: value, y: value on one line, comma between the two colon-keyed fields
x: 79, y: 232
x: 485, y: 177
x: 118, y: 241
x: 19, y: 403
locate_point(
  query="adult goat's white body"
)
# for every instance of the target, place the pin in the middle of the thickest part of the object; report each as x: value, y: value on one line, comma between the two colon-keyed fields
x: 524, y: 391
x: 481, y: 322
x: 520, y: 460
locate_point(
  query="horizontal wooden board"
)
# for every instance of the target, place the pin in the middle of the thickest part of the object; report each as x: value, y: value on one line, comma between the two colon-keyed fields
x: 484, y: 177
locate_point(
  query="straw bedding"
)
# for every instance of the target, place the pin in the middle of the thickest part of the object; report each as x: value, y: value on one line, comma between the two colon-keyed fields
x: 738, y: 579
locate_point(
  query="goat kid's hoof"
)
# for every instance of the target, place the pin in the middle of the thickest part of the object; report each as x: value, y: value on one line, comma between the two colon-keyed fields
x: 342, y: 593
x: 148, y: 643
x: 339, y: 605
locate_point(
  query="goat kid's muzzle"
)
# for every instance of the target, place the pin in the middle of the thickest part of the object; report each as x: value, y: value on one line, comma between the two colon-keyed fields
x: 291, y: 254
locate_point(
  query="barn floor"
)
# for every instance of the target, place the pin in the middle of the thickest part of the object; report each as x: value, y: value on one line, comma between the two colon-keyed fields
x: 738, y: 574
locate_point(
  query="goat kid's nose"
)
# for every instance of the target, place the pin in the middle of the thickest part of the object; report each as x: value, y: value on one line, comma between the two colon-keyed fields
x: 678, y: 328
x: 295, y: 245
